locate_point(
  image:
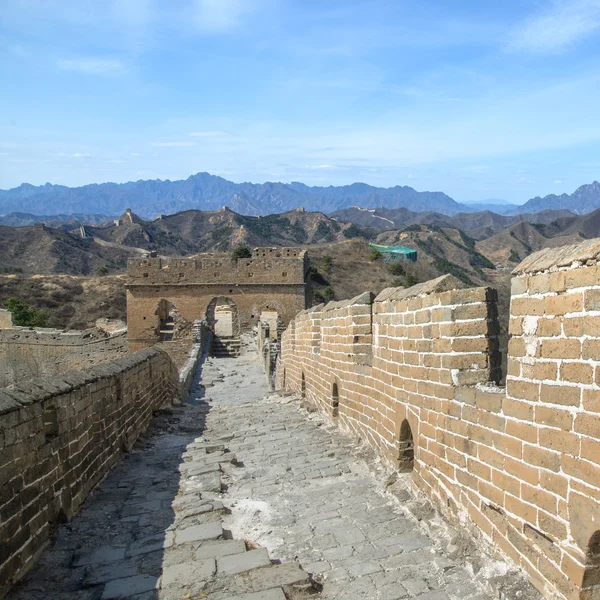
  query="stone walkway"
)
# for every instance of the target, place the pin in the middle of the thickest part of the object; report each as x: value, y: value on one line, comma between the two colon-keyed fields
x: 240, y: 495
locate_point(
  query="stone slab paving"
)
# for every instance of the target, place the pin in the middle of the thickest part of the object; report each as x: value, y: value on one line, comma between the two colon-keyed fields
x: 308, y: 492
x: 240, y: 495
x: 154, y: 528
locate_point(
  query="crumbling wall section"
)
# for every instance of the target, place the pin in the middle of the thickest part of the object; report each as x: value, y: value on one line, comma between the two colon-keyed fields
x: 58, y: 438
x: 520, y: 465
x: 26, y: 353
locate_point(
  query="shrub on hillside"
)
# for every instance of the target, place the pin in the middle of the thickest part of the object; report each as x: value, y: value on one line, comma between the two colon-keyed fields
x: 241, y: 251
x: 25, y: 315
x: 396, y: 268
x: 328, y: 293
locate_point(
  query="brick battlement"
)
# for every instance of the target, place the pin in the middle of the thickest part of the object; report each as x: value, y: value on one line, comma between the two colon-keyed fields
x: 267, y: 266
x: 413, y: 372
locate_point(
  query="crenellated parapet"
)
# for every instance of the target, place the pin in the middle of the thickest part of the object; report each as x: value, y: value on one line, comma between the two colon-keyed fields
x: 266, y: 266
x: 415, y: 373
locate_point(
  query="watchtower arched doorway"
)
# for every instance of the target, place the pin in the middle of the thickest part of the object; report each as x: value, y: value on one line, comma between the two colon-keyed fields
x: 335, y: 400
x: 171, y: 325
x: 270, y: 317
x: 406, y: 448
x: 223, y: 319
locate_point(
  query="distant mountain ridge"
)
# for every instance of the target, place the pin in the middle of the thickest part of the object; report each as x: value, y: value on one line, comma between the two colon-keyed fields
x: 203, y: 191
x: 478, y: 225
x: 210, y: 192
x: 584, y: 199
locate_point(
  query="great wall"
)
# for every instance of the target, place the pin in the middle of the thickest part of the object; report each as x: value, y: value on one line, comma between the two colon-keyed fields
x: 413, y: 373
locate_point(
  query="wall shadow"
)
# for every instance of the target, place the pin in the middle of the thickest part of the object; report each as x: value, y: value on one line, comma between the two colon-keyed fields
x: 115, y: 545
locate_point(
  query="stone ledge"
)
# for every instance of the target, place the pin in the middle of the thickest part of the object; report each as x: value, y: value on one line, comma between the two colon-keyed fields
x: 38, y: 390
x: 445, y: 283
x: 557, y: 258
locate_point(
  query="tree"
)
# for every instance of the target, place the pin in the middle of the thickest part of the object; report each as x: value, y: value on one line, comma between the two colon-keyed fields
x: 374, y: 254
x: 241, y: 251
x: 327, y: 262
x: 396, y: 268
x: 101, y: 271
x: 328, y: 293
x: 25, y: 315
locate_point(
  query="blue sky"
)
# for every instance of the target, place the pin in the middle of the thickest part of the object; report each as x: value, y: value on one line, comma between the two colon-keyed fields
x: 496, y: 99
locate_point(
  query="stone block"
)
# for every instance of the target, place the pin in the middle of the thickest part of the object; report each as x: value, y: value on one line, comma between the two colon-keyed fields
x: 238, y: 563
x: 190, y: 574
x: 129, y: 586
x: 205, y: 531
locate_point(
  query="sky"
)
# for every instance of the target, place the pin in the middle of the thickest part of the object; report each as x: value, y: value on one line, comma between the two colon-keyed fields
x: 482, y: 100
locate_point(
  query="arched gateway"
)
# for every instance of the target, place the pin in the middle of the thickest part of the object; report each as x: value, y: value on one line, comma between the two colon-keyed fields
x: 273, y: 279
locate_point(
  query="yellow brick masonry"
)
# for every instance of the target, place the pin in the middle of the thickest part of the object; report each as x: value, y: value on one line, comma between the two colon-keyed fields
x: 522, y: 462
x: 58, y: 438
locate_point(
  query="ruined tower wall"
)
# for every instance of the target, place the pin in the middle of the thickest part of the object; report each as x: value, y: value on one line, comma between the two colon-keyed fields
x: 192, y: 304
x: 522, y: 462
x: 58, y: 438
x: 273, y: 278
x: 26, y: 353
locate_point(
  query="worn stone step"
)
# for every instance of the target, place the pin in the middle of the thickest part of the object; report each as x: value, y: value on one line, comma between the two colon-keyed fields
x: 273, y: 576
x: 238, y: 563
x: 220, y: 548
x: 183, y: 575
x: 205, y: 531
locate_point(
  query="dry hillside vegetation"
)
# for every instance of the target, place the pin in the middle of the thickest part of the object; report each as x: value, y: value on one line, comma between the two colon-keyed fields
x: 442, y: 250
x: 44, y: 250
x: 194, y: 231
x: 72, y: 302
x: 514, y: 244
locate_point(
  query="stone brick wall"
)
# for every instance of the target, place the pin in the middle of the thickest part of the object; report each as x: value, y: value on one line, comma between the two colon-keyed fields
x: 26, y: 353
x: 413, y: 373
x: 58, y: 438
x: 273, y: 279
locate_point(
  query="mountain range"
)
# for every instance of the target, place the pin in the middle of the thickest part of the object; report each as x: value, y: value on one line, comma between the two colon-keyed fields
x: 209, y: 192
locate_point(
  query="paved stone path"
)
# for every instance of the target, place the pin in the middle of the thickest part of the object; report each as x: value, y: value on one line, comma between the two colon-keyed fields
x: 239, y: 495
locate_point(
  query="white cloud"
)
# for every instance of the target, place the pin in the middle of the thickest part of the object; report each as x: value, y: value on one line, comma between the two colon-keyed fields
x: 220, y: 15
x: 209, y: 134
x: 173, y: 144
x: 115, y: 162
x: 75, y: 155
x: 320, y: 167
x: 477, y: 169
x: 563, y: 23
x: 135, y: 154
x: 557, y: 181
x: 92, y: 66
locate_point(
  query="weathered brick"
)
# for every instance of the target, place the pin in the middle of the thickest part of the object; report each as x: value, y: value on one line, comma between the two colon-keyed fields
x: 563, y: 304
x: 577, y: 372
x: 560, y: 394
x: 549, y: 327
x: 523, y: 390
